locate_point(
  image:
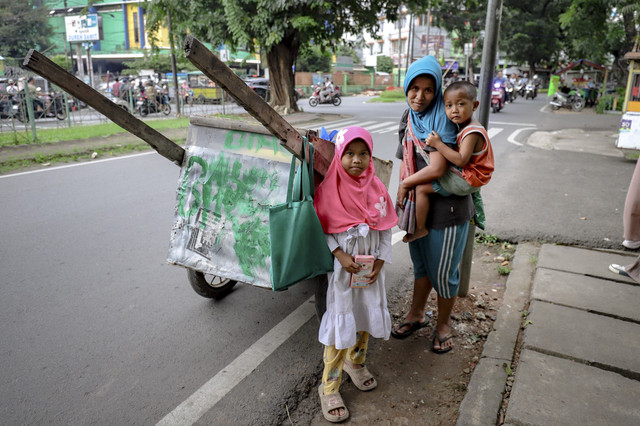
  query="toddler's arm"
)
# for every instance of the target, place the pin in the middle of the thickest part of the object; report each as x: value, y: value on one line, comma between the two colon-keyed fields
x: 458, y: 158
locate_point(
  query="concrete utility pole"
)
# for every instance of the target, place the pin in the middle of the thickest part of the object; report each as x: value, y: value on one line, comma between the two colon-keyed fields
x: 491, y: 31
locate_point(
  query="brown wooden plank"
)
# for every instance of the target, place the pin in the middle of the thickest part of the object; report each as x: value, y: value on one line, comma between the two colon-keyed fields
x: 41, y: 65
x: 225, y: 78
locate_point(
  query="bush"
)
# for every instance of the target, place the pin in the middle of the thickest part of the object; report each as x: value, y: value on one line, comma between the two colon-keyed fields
x: 605, y: 103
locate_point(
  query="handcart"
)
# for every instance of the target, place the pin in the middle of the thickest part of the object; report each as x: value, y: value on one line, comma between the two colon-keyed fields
x: 231, y: 172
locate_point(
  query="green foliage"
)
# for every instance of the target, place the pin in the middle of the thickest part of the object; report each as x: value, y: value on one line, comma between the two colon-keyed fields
x: 24, y: 25
x: 466, y: 17
x: 605, y: 103
x: 483, y: 238
x: 313, y: 59
x: 159, y: 62
x: 384, y: 64
x: 60, y: 60
x: 504, y: 270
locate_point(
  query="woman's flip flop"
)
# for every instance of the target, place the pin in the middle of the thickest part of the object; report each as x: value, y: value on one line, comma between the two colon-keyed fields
x: 413, y: 326
x: 441, y: 340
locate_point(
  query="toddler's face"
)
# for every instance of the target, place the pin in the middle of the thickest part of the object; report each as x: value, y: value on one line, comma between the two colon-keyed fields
x: 356, y: 157
x: 458, y: 107
x: 421, y: 92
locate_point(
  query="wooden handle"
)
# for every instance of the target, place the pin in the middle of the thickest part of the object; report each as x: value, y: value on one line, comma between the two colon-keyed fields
x: 225, y: 78
x: 41, y: 65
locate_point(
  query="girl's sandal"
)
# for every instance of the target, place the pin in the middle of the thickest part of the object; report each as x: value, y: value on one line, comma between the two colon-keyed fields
x: 333, y: 401
x: 360, y: 376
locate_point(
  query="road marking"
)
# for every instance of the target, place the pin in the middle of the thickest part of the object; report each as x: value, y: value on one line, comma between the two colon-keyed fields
x: 494, y: 131
x: 383, y: 124
x: 77, y: 165
x: 510, y: 123
x: 205, y: 398
x: 545, y: 108
x: 512, y: 136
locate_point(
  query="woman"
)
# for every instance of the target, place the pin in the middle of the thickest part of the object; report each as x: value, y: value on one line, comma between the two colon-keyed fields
x: 436, y: 257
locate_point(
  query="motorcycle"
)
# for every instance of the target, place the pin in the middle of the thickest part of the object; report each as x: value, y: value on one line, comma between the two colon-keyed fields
x: 144, y: 106
x: 43, y: 107
x: 520, y: 88
x: 496, y: 98
x: 530, y: 91
x: 511, y: 92
x: 572, y: 100
x: 335, y: 98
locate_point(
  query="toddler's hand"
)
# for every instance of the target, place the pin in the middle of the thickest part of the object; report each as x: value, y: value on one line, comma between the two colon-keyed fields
x: 433, y: 140
x: 402, y: 194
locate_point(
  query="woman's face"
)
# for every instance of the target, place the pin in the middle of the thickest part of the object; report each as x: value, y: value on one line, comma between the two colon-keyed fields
x: 421, y: 92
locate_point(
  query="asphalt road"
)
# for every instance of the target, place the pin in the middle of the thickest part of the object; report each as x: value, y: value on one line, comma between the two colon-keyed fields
x: 99, y: 329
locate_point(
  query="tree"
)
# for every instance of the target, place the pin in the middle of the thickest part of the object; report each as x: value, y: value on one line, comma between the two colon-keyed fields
x: 23, y: 26
x: 158, y: 62
x: 312, y: 59
x: 530, y: 32
x: 384, y: 64
x: 597, y: 29
x: 277, y: 28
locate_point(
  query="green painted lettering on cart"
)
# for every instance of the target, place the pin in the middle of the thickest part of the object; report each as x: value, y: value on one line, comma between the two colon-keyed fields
x: 227, y: 188
x: 235, y: 140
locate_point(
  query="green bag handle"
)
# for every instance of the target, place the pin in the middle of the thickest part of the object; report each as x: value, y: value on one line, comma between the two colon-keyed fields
x: 304, y: 177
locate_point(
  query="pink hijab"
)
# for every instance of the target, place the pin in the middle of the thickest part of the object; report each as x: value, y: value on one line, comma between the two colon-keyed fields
x: 343, y: 201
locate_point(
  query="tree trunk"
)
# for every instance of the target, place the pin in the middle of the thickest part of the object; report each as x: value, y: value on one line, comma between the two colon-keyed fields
x: 280, y: 60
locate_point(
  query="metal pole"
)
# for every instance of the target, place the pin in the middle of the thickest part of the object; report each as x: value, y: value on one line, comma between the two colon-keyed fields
x: 174, y: 68
x: 399, y: 44
x: 492, y: 28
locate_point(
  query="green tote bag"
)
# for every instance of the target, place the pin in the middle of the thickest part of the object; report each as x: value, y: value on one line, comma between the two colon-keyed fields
x: 299, y: 248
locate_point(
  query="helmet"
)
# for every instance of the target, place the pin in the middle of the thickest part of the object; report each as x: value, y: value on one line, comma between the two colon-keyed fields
x: 10, y: 81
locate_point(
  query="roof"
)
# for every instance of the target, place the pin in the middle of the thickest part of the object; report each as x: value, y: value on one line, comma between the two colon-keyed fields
x: 578, y: 63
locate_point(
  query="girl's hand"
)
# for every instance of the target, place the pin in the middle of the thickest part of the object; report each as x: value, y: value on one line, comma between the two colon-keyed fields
x: 402, y: 194
x: 346, y: 260
x: 433, y: 140
x: 377, y: 267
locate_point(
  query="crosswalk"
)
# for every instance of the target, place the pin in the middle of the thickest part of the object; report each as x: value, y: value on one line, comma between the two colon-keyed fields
x: 382, y: 127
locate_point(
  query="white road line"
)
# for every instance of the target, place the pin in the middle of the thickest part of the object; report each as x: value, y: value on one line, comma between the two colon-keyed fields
x: 510, y: 123
x: 383, y: 124
x: 88, y: 163
x: 545, y: 108
x: 512, y: 136
x: 493, y: 131
x: 338, y: 124
x: 204, y: 399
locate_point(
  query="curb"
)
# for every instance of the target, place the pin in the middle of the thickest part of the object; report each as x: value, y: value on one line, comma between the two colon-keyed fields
x: 483, y: 399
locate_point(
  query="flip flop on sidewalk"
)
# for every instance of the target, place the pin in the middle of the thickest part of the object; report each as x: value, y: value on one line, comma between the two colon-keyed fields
x: 441, y: 350
x: 413, y: 326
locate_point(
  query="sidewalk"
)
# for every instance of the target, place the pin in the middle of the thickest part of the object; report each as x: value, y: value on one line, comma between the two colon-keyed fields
x: 578, y: 362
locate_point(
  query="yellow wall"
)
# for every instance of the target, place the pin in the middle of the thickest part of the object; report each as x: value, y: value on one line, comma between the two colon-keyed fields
x: 162, y: 36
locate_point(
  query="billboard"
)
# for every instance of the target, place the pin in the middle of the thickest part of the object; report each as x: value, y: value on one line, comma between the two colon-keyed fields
x: 82, y: 28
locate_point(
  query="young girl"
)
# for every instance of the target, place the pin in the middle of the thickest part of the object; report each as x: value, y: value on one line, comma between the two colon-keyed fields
x: 357, y: 214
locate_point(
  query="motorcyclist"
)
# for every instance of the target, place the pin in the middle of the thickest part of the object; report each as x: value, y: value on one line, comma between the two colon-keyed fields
x: 502, y: 81
x: 33, y: 93
x: 12, y: 87
x: 150, y: 92
x: 327, y: 89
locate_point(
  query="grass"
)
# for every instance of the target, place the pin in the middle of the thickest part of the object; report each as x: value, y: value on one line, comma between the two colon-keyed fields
x: 394, y: 95
x: 83, y: 132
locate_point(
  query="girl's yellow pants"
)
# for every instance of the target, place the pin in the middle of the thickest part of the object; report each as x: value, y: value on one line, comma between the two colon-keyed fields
x: 334, y: 360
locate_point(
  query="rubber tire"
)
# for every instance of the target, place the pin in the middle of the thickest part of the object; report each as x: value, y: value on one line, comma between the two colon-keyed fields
x: 495, y: 109
x: 337, y: 100
x: 144, y: 111
x: 313, y: 101
x: 166, y: 109
x: 555, y: 107
x: 61, y: 115
x: 216, y: 288
x: 578, y: 105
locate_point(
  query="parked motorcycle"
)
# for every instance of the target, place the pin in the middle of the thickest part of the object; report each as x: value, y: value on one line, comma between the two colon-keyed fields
x: 335, y: 98
x: 144, y: 106
x: 496, y: 98
x: 572, y: 100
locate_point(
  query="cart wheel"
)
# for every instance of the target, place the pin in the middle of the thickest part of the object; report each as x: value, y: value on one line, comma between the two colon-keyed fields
x: 208, y: 285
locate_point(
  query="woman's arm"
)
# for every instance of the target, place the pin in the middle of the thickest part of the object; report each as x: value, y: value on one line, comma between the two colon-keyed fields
x: 436, y: 168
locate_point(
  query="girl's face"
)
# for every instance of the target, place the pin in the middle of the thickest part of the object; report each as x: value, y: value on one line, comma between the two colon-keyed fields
x: 421, y: 92
x: 356, y: 157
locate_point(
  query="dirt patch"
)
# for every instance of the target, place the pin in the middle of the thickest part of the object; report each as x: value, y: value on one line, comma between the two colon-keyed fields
x: 417, y: 386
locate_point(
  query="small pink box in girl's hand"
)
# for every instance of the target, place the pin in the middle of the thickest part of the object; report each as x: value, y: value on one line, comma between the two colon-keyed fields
x: 366, y: 262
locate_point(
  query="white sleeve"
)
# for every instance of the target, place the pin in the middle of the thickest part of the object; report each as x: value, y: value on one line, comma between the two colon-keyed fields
x: 332, y: 242
x: 385, y: 246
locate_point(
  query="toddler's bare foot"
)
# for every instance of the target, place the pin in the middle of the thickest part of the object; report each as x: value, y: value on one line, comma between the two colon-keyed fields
x: 416, y: 235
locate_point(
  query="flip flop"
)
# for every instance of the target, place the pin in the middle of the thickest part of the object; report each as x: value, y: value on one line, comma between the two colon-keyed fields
x: 441, y: 340
x: 414, y: 325
x: 332, y: 402
x: 359, y: 376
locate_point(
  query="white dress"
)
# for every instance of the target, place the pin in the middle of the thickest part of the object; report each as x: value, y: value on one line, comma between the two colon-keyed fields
x: 350, y: 310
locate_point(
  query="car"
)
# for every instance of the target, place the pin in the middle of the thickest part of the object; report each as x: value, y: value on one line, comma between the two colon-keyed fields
x: 262, y: 87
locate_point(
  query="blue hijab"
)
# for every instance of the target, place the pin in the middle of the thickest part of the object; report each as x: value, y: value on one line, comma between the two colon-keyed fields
x: 434, y: 117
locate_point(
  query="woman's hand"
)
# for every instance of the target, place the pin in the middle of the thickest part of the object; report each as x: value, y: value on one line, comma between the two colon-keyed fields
x: 433, y: 140
x: 377, y: 267
x: 402, y: 194
x: 346, y: 260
